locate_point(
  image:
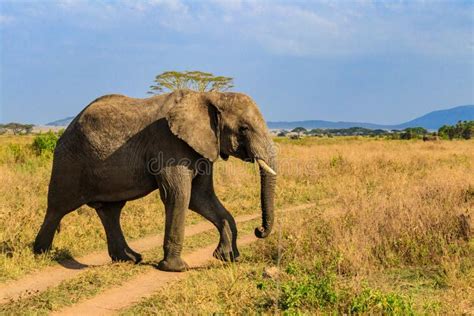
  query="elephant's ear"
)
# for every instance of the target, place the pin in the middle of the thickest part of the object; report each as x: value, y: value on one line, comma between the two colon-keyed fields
x: 195, y: 120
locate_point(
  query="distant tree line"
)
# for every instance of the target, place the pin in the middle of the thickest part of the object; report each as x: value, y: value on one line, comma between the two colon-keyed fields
x: 16, y: 128
x: 330, y: 132
x: 463, y: 129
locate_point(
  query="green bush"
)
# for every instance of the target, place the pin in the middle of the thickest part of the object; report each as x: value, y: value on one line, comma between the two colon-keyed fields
x: 304, y: 289
x: 463, y: 129
x: 45, y: 143
x: 310, y: 290
x: 370, y: 300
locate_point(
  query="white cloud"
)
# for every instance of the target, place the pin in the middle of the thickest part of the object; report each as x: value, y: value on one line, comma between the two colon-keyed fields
x: 70, y: 4
x: 228, y: 5
x: 342, y: 28
x: 6, y: 19
x: 331, y: 28
x: 313, y: 28
x: 172, y: 5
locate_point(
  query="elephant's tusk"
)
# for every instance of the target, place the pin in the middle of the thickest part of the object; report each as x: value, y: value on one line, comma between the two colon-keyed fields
x: 266, y: 167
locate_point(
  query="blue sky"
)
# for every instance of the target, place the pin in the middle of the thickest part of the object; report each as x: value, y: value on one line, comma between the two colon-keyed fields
x: 372, y: 61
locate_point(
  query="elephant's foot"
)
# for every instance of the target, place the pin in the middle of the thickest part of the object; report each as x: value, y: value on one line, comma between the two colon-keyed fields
x: 39, y: 248
x: 44, y: 239
x: 41, y: 245
x: 126, y: 254
x: 173, y: 264
x: 224, y: 254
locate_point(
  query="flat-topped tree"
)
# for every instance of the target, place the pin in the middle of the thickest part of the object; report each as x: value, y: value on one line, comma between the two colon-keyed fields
x: 18, y: 128
x: 299, y: 130
x: 193, y: 80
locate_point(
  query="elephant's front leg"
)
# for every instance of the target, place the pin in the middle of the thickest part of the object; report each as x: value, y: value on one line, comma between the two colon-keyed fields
x: 175, y: 192
x: 205, y: 202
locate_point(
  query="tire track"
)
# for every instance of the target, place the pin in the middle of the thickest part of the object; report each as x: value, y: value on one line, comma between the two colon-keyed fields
x: 40, y: 281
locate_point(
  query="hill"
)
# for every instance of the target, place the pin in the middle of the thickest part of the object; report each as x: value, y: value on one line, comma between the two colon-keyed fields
x: 310, y: 124
x: 436, y: 119
x: 63, y: 122
x: 430, y: 121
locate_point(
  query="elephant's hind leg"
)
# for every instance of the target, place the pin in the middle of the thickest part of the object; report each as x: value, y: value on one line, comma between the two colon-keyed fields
x: 64, y: 196
x: 45, y: 236
x: 205, y: 202
x: 109, y: 213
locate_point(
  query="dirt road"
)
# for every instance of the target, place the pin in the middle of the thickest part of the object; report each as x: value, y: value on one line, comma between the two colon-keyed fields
x: 39, y: 281
x: 142, y: 286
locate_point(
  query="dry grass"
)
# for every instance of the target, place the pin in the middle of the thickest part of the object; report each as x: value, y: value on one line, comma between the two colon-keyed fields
x: 387, y: 235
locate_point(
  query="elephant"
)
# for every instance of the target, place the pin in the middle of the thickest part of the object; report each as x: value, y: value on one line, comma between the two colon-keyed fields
x: 121, y: 148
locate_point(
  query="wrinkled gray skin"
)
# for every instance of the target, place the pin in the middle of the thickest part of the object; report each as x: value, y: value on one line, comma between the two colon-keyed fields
x: 120, y: 149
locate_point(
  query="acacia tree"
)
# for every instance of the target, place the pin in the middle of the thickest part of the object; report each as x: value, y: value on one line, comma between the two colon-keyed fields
x: 16, y: 128
x: 299, y: 130
x: 193, y: 80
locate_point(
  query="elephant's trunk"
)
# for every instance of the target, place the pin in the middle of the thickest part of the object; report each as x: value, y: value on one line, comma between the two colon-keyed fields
x: 267, y: 194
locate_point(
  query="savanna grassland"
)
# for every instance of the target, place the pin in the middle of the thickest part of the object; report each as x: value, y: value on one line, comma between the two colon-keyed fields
x: 389, y: 232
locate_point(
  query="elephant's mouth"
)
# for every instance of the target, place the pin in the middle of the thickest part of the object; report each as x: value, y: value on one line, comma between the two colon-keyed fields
x: 243, y: 153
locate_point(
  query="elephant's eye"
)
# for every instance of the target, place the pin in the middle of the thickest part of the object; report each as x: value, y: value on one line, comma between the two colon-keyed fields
x: 243, y: 130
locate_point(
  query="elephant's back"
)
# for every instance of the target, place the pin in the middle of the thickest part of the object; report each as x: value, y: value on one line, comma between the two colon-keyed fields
x: 115, y: 117
x: 110, y: 123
